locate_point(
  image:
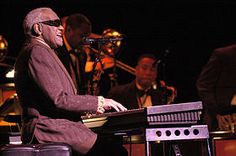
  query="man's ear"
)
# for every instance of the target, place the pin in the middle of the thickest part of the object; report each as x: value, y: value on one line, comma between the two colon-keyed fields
x: 37, y: 29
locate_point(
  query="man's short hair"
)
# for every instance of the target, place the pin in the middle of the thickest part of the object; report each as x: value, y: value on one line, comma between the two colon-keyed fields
x: 76, y: 20
x: 146, y: 55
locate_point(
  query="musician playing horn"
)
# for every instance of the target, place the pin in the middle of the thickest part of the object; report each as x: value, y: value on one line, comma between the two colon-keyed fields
x: 79, y: 58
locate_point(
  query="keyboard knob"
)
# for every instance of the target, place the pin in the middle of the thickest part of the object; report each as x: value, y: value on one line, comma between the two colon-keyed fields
x: 186, y: 132
x: 177, y: 132
x: 168, y: 133
x: 158, y: 133
x: 195, y: 131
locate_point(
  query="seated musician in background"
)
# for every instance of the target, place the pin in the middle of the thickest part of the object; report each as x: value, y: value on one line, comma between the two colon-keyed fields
x: 79, y: 58
x: 145, y: 90
x: 52, y: 108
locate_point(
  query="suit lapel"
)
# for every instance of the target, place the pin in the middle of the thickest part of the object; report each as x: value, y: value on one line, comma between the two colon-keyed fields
x: 133, y: 95
x: 53, y: 54
x: 64, y: 70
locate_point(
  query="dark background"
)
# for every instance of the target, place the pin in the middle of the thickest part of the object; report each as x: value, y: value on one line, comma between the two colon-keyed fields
x: 189, y: 30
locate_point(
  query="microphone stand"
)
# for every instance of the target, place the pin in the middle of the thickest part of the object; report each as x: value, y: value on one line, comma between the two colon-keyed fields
x: 165, y: 92
x: 113, y: 75
x: 96, y: 74
x: 162, y: 62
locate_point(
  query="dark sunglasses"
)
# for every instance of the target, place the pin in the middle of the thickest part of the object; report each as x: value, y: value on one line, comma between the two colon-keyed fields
x: 55, y: 23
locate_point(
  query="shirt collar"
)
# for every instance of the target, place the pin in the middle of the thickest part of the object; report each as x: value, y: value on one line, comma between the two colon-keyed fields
x: 68, y: 47
x: 41, y: 41
x: 140, y: 87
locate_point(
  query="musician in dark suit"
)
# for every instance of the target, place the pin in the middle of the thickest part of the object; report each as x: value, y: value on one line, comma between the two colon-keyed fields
x: 79, y: 58
x: 145, y: 90
x: 217, y: 88
x: 51, y: 107
x: 72, y: 53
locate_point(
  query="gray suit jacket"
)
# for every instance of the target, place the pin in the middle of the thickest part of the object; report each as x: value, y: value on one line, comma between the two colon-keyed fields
x: 51, y: 109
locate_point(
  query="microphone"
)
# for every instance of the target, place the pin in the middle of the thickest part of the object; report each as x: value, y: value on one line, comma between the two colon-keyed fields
x: 162, y: 58
x: 87, y: 40
x: 157, y: 61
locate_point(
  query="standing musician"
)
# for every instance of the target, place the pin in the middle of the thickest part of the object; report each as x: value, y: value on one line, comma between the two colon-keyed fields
x: 79, y: 58
x: 216, y: 86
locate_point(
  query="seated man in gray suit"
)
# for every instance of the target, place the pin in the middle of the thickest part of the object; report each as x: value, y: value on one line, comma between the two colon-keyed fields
x: 51, y: 107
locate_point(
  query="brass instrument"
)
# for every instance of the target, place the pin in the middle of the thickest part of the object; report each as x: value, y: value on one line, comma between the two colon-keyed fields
x: 118, y: 63
x: 4, y: 52
x: 125, y: 67
x: 111, y: 48
x: 106, y: 52
x: 3, y: 48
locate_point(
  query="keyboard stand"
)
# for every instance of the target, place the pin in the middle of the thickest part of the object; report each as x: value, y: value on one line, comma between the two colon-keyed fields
x: 194, y: 132
x: 176, y: 150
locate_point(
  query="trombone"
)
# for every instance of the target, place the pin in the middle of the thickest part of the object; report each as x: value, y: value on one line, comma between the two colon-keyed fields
x: 118, y: 63
x: 111, y: 48
x: 125, y: 67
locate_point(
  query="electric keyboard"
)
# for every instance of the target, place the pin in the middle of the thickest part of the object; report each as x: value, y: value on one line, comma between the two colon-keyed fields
x: 181, y: 121
x: 169, y: 115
